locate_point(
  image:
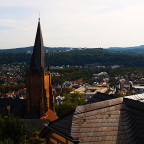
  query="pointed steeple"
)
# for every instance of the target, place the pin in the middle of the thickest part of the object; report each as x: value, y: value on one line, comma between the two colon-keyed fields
x: 37, y: 63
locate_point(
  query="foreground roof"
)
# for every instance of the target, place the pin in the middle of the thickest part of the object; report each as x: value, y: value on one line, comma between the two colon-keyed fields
x: 35, y: 124
x: 50, y: 115
x: 63, y: 125
x: 114, y: 121
x: 16, y: 106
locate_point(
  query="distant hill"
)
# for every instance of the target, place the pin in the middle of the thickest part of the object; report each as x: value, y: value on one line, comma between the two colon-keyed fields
x: 80, y: 57
x: 129, y: 57
x: 128, y: 50
x: 30, y: 49
x: 135, y: 49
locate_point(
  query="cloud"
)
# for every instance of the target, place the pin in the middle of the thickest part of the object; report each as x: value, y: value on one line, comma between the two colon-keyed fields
x: 83, y: 23
x: 5, y: 28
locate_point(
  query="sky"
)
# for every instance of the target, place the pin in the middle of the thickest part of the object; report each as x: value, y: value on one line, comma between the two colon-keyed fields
x: 72, y: 23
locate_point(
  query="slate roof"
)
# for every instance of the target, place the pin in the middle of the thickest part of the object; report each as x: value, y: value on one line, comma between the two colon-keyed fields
x: 17, y: 107
x: 63, y: 125
x: 99, y: 97
x: 37, y: 63
x: 114, y: 121
x: 35, y: 124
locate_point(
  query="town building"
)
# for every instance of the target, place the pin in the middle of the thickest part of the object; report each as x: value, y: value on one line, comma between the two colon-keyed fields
x: 40, y: 96
x: 103, y: 119
x: 89, y: 91
x: 39, y: 107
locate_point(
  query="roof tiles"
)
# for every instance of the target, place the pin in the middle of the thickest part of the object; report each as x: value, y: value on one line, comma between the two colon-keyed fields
x: 105, y: 121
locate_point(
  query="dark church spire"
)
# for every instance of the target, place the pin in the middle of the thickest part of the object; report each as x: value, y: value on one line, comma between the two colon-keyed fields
x: 37, y: 63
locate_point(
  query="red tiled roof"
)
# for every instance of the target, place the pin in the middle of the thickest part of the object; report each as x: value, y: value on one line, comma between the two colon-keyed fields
x: 3, y: 77
x: 50, y: 115
x: 78, y: 81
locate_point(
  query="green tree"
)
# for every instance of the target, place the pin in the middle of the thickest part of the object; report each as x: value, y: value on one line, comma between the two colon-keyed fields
x: 12, y: 130
x: 75, y: 98
x: 112, y: 84
x: 69, y: 103
x: 33, y: 138
x: 66, y: 91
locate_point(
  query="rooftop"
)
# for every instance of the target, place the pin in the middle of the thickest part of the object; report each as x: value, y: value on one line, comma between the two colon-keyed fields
x: 105, y: 119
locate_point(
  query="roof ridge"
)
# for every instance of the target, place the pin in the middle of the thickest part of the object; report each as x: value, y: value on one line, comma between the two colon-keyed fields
x: 98, y: 105
x: 137, y: 97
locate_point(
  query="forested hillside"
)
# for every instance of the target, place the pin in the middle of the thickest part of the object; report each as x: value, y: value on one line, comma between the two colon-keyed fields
x: 26, y: 49
x: 129, y: 50
x: 79, y: 57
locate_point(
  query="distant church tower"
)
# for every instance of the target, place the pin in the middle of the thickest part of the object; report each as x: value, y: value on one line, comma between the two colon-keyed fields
x: 39, y: 89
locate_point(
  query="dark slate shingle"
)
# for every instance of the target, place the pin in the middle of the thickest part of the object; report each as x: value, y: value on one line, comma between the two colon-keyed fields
x: 105, y: 119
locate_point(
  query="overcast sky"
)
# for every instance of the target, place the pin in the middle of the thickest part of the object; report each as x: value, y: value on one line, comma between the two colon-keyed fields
x: 73, y: 23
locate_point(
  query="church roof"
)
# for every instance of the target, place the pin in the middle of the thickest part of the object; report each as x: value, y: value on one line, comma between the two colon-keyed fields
x: 63, y: 124
x: 50, y: 115
x: 37, y: 63
x: 35, y: 124
x: 16, y: 106
x: 119, y: 120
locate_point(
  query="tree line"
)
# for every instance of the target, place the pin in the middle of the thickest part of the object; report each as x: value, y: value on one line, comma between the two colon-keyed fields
x: 14, y: 131
x: 77, y: 57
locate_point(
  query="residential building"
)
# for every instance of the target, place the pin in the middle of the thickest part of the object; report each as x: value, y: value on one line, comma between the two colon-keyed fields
x: 103, y: 119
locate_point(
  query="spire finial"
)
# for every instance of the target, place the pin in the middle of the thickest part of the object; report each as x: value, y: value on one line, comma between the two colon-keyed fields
x: 39, y: 17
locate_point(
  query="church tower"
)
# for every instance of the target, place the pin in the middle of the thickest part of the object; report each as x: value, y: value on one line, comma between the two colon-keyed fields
x: 40, y: 97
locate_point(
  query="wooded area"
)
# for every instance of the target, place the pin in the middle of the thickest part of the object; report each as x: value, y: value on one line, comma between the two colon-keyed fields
x: 80, y: 57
